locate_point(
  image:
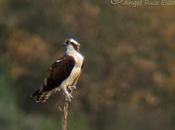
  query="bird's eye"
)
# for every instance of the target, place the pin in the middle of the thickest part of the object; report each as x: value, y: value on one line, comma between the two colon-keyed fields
x: 67, y: 42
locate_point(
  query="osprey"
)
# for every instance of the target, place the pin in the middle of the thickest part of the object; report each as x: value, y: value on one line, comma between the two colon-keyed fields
x: 63, y: 74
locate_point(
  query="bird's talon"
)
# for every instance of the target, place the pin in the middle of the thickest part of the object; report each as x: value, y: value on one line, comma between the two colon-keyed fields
x: 72, y: 87
x: 68, y: 95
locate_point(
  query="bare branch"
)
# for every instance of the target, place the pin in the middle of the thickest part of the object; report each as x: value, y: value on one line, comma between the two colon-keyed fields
x: 64, y: 117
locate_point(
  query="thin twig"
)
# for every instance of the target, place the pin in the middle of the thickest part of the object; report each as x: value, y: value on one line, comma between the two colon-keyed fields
x: 64, y: 111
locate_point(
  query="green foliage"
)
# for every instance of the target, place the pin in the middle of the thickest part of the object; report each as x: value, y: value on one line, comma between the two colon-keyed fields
x: 13, y: 118
x: 6, y: 93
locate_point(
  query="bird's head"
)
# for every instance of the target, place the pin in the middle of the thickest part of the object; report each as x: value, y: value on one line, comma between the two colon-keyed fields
x: 72, y: 42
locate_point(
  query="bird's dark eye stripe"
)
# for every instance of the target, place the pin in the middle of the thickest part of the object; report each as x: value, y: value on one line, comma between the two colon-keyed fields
x: 67, y: 41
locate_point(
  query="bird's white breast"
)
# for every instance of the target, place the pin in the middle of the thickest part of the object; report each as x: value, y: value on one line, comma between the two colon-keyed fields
x: 76, y: 70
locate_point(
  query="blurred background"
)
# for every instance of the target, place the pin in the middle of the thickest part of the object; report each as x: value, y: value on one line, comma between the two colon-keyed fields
x: 128, y: 81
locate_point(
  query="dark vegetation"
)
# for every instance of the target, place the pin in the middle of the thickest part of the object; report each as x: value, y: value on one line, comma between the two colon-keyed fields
x: 129, y: 78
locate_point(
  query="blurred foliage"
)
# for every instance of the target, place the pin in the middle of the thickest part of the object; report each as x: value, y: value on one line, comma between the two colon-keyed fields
x: 128, y: 81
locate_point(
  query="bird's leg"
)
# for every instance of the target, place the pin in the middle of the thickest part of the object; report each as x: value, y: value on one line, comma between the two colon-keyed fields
x: 67, y: 94
x: 72, y: 87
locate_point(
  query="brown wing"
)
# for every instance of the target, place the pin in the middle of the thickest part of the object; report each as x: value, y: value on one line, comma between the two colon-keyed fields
x: 58, y: 72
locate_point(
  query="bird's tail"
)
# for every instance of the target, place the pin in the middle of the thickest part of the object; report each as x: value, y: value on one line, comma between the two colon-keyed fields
x: 41, y: 96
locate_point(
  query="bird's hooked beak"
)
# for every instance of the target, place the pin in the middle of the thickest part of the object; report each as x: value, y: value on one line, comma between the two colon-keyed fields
x: 78, y: 48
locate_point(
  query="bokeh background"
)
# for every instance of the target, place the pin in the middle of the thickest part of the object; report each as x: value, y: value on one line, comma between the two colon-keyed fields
x: 128, y: 81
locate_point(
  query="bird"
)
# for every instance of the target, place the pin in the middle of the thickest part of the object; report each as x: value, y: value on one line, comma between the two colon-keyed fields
x: 63, y: 74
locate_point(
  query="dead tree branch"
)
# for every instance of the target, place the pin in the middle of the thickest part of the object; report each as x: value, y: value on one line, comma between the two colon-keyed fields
x: 64, y: 115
